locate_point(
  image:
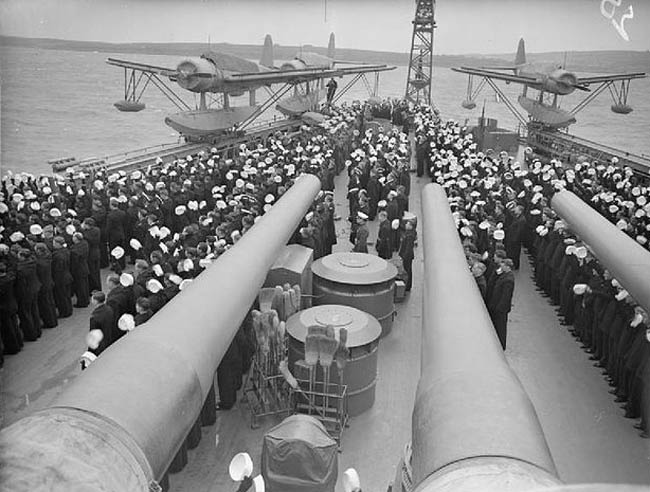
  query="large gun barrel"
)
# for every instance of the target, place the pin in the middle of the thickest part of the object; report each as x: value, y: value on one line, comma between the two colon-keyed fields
x: 117, y: 427
x: 474, y: 427
x: 626, y: 259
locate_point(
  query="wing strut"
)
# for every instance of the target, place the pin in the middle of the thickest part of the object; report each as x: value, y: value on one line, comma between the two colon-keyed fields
x: 619, y: 96
x: 169, y: 93
x: 592, y: 95
x: 472, y: 91
x: 261, y: 109
x: 134, y: 86
x: 341, y: 92
x: 513, y: 109
x: 372, y: 90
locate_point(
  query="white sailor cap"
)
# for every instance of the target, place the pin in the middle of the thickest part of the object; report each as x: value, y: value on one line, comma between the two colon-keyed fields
x: 126, y: 279
x: 126, y: 322
x: 154, y: 286
x: 117, y: 252
x: 94, y: 338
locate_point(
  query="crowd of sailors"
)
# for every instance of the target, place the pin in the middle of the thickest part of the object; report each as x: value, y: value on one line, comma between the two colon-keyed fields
x: 500, y: 205
x: 156, y: 229
x: 173, y: 219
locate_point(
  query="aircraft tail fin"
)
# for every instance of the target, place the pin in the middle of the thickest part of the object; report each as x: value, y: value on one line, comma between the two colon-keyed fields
x: 331, y: 47
x: 267, y: 52
x: 520, y: 57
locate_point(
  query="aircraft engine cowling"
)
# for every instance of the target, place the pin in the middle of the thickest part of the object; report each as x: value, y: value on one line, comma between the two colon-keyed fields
x: 294, y: 64
x: 198, y: 75
x: 561, y: 82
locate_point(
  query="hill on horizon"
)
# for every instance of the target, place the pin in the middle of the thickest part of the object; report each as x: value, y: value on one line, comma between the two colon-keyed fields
x: 581, y: 61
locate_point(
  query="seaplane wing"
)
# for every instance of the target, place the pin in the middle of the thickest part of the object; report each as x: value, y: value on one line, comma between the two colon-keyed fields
x: 142, y: 67
x: 519, y: 79
x: 297, y: 76
x: 599, y: 79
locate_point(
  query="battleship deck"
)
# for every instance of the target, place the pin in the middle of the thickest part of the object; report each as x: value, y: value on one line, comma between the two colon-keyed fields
x: 588, y: 436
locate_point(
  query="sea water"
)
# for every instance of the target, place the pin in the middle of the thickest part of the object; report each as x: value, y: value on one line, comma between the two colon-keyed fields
x: 57, y: 103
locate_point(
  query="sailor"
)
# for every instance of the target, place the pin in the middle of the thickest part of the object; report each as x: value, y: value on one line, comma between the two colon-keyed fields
x: 12, y: 335
x: 62, y: 277
x: 118, y: 301
x: 500, y: 300
x: 79, y: 269
x: 384, y: 236
x: 46, y: 304
x: 393, y: 213
x: 331, y: 90
x: 478, y: 272
x: 115, y: 228
x: 514, y: 235
x: 421, y: 153
x: 98, y: 214
x: 407, y: 244
x: 27, y: 287
x: 92, y: 234
x: 103, y: 319
x: 329, y: 210
x: 361, y: 238
x: 402, y: 200
x: 143, y: 311
x: 374, y: 193
x: 229, y: 374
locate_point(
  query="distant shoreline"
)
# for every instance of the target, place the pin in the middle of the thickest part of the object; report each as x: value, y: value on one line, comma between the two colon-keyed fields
x: 583, y: 61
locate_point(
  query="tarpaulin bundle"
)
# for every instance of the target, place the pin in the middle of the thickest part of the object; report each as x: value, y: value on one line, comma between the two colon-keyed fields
x: 298, y: 455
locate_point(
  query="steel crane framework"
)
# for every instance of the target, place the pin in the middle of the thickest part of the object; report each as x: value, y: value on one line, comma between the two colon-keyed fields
x: 418, y: 82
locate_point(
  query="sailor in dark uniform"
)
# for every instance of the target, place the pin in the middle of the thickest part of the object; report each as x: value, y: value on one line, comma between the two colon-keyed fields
x: 46, y: 304
x: 27, y: 287
x: 406, y: 252
x: 103, y: 319
x: 332, y: 85
x: 12, y: 335
x: 229, y: 374
x: 115, y: 228
x: 383, y: 245
x: 515, y: 235
x: 98, y: 214
x: 62, y: 277
x: 361, y: 238
x: 500, y: 300
x: 79, y: 269
x: 92, y: 234
x: 119, y: 303
x: 393, y: 212
x: 143, y: 311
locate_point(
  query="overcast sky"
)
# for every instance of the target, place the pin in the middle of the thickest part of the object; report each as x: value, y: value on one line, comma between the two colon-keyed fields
x: 464, y: 26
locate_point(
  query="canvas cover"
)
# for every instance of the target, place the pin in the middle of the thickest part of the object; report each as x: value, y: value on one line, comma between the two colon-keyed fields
x: 298, y: 455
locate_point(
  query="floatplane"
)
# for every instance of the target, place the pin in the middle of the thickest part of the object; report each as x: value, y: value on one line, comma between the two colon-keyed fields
x: 551, y: 81
x: 220, y: 76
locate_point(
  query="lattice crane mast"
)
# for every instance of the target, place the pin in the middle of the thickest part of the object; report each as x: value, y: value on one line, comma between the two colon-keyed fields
x: 418, y: 82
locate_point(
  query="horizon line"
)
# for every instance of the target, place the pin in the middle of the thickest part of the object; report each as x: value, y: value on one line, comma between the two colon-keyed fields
x: 110, y: 43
